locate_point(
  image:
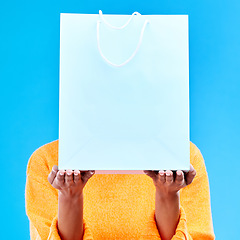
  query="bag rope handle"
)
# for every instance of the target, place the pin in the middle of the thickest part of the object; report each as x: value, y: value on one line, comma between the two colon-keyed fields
x: 138, y: 45
x: 115, y: 27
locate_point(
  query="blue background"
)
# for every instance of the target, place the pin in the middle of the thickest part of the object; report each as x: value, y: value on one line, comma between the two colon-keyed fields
x: 29, y: 75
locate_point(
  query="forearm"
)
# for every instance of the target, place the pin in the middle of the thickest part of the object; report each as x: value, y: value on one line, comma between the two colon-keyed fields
x: 70, y: 217
x: 167, y: 213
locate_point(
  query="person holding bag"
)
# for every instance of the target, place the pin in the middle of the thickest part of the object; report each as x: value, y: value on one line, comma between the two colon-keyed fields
x: 121, y: 113
x: 83, y: 205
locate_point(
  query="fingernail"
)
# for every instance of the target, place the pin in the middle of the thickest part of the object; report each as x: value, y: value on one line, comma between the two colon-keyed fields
x: 69, y: 173
x: 61, y: 173
x: 168, y: 173
x: 75, y: 173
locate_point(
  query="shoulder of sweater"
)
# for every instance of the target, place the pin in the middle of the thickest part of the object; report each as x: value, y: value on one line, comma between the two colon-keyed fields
x: 46, y: 155
x: 50, y: 148
x: 193, y: 149
x: 197, y: 159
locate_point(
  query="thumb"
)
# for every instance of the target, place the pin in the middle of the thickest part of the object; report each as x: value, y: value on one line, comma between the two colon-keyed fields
x: 86, y: 175
x: 190, y: 175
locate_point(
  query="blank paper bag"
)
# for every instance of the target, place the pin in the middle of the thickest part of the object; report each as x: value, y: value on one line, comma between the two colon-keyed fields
x: 124, y: 92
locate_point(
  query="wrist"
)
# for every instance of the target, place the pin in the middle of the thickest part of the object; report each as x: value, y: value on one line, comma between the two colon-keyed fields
x: 169, y: 202
x: 168, y: 196
x: 70, y: 196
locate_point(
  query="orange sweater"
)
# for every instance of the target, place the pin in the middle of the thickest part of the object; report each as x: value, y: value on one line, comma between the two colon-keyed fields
x: 116, y: 206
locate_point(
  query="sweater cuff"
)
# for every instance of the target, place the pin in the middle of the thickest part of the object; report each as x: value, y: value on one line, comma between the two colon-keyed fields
x: 151, y: 230
x: 54, y: 234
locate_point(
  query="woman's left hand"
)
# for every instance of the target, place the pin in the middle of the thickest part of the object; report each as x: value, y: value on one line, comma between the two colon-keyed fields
x: 168, y: 183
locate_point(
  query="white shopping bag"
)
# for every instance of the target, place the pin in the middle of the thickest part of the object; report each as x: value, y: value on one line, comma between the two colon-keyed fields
x: 124, y: 93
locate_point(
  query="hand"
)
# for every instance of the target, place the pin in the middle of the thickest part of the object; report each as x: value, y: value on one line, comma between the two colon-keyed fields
x: 167, y: 183
x: 69, y: 182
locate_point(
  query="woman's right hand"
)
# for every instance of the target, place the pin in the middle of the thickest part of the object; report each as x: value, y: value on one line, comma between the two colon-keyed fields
x: 69, y: 182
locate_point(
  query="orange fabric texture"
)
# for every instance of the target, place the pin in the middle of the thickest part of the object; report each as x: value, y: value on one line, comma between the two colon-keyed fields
x: 116, y: 206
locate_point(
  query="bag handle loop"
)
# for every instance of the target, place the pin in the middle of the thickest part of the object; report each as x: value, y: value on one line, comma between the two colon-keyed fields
x: 115, y: 27
x: 138, y: 45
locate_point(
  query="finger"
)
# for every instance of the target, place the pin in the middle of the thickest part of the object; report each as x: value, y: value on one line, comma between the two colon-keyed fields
x: 69, y: 177
x: 174, y: 174
x: 190, y: 175
x: 52, y: 174
x: 152, y: 174
x: 76, y: 176
x: 85, y: 175
x: 162, y: 177
x: 179, y: 178
x: 60, y: 177
x: 169, y: 177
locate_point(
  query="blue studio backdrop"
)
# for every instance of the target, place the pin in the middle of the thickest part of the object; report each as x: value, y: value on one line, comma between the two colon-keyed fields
x: 29, y: 92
